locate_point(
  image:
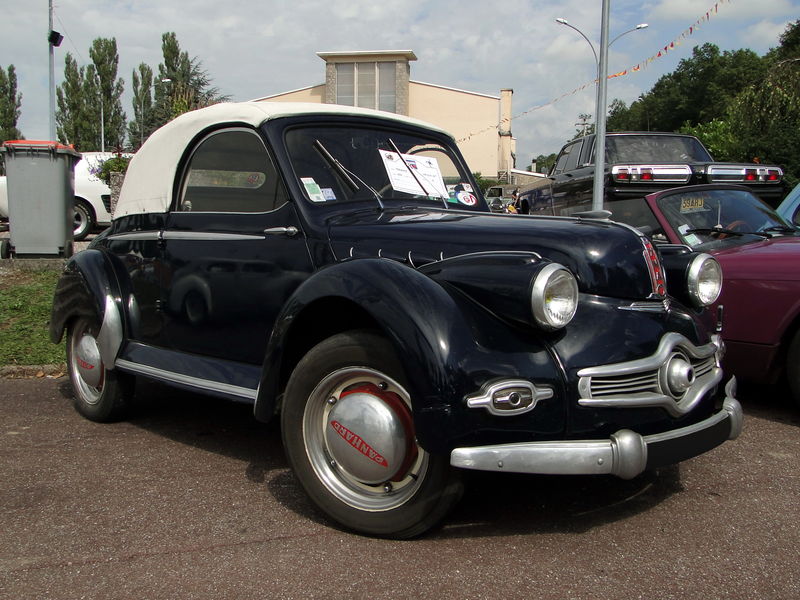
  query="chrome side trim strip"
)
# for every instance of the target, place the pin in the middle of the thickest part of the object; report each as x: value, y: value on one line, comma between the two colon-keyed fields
x: 204, y: 236
x: 136, y: 235
x: 187, y: 380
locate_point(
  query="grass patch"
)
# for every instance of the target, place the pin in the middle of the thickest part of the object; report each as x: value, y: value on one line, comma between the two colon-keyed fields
x: 26, y: 298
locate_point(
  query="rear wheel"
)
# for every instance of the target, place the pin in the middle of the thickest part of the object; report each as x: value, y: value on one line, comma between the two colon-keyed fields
x: 83, y: 220
x: 349, y: 436
x: 100, y: 394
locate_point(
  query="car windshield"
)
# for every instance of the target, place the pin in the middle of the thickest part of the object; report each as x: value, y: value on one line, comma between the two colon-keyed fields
x: 654, y: 148
x: 712, y: 218
x: 368, y: 164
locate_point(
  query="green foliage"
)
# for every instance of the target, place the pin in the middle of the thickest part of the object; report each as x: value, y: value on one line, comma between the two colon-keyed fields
x: 24, y: 316
x: 115, y: 164
x: 72, y: 120
x: 108, y: 88
x: 483, y: 182
x: 545, y: 162
x: 184, y: 84
x: 144, y: 122
x: 718, y: 137
x: 10, y: 104
x: 84, y: 92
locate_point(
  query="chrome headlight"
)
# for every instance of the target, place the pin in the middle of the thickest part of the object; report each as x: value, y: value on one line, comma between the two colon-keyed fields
x: 554, y: 296
x: 704, y: 280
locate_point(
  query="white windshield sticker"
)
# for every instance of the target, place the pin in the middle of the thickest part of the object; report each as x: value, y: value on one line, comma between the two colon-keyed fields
x: 312, y: 189
x: 425, y: 168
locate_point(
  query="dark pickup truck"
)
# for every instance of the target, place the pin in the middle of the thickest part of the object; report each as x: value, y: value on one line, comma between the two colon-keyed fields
x: 637, y: 164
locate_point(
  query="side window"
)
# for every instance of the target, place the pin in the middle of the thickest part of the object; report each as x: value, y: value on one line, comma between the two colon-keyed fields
x: 574, y: 155
x: 561, y: 161
x: 231, y: 171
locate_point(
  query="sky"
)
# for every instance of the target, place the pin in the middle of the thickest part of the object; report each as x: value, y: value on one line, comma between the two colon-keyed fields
x: 255, y: 48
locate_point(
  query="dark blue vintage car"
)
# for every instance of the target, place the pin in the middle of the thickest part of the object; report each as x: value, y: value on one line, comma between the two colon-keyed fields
x: 340, y: 267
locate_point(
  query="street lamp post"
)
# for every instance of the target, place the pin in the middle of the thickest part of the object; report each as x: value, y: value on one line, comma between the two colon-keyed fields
x: 601, y: 64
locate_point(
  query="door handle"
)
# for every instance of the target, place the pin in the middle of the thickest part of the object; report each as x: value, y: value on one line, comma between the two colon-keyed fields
x: 290, y: 231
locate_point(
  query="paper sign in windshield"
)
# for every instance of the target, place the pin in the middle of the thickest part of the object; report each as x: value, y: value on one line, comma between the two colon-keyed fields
x: 425, y: 168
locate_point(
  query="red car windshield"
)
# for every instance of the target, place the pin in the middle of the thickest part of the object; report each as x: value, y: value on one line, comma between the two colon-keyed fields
x: 705, y: 219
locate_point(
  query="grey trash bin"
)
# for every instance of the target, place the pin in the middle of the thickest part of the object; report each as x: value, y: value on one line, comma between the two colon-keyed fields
x: 41, y: 191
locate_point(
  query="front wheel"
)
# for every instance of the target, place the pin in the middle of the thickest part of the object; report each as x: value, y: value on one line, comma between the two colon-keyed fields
x: 100, y: 394
x: 349, y: 436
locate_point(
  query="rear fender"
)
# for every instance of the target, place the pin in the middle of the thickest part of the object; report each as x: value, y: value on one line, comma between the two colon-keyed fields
x: 88, y: 287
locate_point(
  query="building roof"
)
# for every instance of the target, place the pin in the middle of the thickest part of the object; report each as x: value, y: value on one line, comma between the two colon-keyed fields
x: 407, y: 54
x: 152, y: 171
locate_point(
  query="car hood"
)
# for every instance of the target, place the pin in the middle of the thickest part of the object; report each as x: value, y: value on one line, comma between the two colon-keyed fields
x: 776, y: 259
x: 607, y: 258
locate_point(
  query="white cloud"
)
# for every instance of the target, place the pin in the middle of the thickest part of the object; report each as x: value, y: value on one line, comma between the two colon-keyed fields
x: 254, y: 48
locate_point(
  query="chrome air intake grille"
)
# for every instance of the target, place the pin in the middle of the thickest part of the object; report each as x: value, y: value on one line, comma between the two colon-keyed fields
x: 675, y: 377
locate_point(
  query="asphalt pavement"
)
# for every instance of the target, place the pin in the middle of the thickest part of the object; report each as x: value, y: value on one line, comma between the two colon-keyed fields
x: 192, y: 498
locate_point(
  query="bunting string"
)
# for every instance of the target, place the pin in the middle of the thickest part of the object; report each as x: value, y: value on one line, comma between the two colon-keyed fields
x: 678, y: 41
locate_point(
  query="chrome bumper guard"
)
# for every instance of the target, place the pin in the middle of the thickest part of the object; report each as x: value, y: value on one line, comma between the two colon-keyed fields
x: 626, y: 454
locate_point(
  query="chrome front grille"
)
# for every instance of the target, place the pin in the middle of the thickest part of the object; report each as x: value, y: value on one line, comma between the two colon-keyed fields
x: 675, y: 377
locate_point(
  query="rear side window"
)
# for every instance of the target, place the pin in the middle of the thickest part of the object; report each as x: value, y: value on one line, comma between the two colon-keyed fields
x: 231, y: 171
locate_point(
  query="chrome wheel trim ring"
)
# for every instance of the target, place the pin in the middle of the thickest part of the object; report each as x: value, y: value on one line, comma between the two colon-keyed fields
x: 338, y: 481
x: 80, y: 222
x: 91, y: 391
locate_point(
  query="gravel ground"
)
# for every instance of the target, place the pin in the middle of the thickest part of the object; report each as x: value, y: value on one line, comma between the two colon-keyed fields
x: 191, y: 498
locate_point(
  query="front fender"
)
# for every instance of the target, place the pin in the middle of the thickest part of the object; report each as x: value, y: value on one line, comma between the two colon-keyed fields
x: 450, y: 346
x: 89, y: 288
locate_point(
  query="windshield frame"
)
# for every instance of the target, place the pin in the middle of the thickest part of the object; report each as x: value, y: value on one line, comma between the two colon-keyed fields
x: 681, y: 233
x: 278, y: 130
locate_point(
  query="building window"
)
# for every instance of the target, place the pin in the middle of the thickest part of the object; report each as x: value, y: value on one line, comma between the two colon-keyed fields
x: 367, y: 84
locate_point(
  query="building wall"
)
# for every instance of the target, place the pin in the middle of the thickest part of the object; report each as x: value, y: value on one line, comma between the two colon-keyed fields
x: 471, y: 118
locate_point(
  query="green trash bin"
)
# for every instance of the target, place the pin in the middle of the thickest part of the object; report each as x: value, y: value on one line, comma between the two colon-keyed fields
x: 41, y: 190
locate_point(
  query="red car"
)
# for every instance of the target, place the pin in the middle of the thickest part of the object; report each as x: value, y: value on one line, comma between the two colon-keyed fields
x: 759, y: 308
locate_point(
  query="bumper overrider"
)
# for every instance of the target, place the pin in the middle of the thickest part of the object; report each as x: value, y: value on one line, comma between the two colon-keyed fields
x: 625, y: 454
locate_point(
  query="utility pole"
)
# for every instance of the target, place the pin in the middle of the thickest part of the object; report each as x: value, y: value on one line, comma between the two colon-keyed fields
x: 600, y: 117
x: 52, y: 74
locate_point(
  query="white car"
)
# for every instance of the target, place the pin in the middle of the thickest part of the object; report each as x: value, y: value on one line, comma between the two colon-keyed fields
x: 92, y: 195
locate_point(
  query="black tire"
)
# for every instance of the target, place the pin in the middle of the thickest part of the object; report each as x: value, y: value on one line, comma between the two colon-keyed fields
x: 359, y: 369
x: 83, y: 220
x: 5, y: 248
x: 99, y: 394
x: 793, y: 368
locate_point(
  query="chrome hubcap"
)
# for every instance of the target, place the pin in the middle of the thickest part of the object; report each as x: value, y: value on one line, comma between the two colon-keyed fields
x: 359, y: 438
x: 86, y: 366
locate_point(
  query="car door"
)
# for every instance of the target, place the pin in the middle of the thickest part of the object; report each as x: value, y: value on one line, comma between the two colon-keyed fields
x: 572, y: 183
x: 233, y: 250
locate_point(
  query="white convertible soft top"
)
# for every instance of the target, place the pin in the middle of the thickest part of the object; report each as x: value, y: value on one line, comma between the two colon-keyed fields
x: 151, y: 174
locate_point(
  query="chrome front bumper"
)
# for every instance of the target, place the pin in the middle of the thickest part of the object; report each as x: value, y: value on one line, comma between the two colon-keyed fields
x: 626, y: 454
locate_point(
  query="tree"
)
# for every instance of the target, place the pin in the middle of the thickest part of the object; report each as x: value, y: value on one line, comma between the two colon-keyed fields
x: 697, y: 91
x: 105, y: 59
x: 183, y: 84
x: 10, y: 105
x: 545, y: 162
x: 143, y: 108
x: 72, y: 123
x: 89, y: 106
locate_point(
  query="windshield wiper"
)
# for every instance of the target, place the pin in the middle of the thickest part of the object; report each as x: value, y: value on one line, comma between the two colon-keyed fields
x: 722, y: 230
x: 780, y: 229
x: 346, y: 175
